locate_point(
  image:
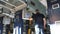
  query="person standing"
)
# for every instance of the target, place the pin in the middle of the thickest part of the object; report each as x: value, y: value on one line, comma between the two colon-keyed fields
x: 18, y: 23
x: 1, y: 25
x: 6, y: 22
x: 40, y: 22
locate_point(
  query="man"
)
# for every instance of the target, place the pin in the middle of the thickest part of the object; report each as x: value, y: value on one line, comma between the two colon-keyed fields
x: 1, y: 25
x: 6, y: 22
x: 18, y: 23
x: 40, y: 22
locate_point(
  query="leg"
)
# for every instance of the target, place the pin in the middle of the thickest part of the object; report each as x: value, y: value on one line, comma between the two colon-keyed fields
x: 36, y: 29
x: 14, y: 30
x: 42, y: 31
x: 17, y: 30
x: 7, y: 28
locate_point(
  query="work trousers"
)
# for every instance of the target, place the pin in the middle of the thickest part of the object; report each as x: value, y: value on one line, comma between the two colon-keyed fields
x: 39, y: 30
x: 17, y: 30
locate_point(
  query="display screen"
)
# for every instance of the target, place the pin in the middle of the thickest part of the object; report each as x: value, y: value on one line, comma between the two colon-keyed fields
x: 27, y: 15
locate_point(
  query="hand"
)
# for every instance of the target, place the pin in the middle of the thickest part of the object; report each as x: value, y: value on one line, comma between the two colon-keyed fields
x: 30, y: 18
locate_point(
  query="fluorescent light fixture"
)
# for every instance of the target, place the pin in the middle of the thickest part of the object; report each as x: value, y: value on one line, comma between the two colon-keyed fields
x: 55, y: 6
x: 44, y: 2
